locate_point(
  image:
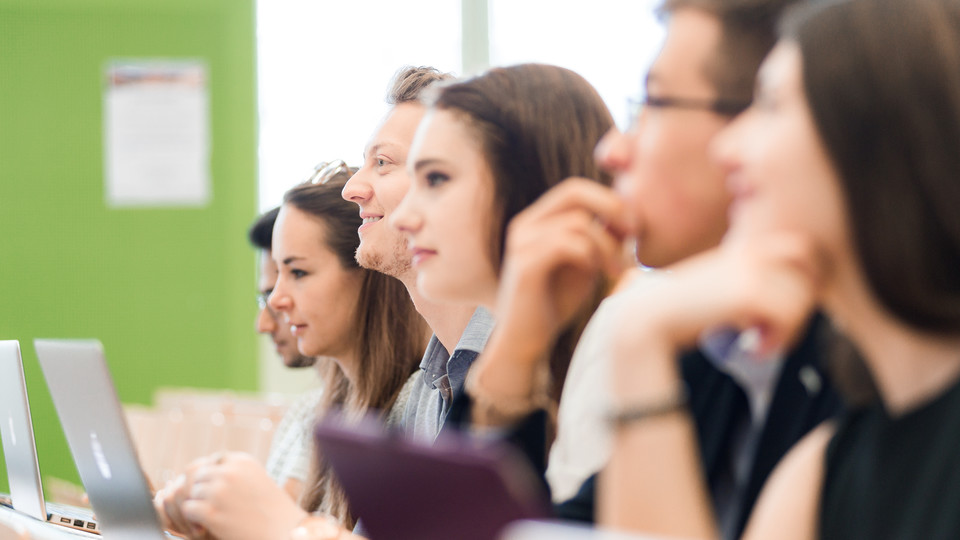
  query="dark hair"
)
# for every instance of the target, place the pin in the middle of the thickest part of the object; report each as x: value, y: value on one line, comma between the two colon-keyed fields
x: 748, y: 30
x: 537, y: 125
x: 882, y: 79
x: 261, y: 232
x: 389, y: 335
x: 409, y: 83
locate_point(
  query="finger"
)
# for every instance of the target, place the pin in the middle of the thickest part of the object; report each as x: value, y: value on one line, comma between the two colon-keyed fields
x: 579, y: 193
x: 197, y: 512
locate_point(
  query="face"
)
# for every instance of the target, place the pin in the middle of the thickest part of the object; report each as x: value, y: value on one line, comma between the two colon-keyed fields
x: 446, y: 215
x: 378, y: 188
x: 316, y: 295
x: 269, y: 322
x: 779, y: 173
x: 662, y: 164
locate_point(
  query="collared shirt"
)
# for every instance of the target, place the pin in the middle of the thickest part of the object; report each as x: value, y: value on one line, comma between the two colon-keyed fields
x: 443, y: 376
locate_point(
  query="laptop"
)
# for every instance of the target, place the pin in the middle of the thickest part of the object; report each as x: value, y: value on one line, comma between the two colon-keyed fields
x: 403, y: 490
x: 86, y: 401
x: 20, y: 450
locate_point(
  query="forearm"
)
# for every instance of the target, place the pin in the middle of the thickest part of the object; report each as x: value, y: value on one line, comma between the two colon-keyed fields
x: 654, y: 481
x: 509, y: 380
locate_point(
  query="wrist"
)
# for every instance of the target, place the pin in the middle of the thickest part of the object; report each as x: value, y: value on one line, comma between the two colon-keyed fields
x: 645, y: 370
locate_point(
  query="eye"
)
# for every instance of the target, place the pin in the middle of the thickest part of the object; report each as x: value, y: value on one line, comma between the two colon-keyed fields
x: 434, y: 179
x: 297, y: 274
x: 381, y: 162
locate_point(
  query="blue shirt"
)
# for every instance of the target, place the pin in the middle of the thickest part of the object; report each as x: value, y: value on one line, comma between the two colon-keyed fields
x: 443, y: 376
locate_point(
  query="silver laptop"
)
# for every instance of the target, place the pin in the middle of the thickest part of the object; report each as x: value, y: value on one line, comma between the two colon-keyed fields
x: 20, y: 450
x: 92, y: 419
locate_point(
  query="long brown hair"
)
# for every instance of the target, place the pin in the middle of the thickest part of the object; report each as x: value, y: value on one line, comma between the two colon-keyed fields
x: 537, y: 125
x: 389, y: 335
x: 882, y: 80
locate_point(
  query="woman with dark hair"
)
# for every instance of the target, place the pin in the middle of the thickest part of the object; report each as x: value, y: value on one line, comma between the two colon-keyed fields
x: 361, y: 326
x: 845, y: 175
x: 488, y: 148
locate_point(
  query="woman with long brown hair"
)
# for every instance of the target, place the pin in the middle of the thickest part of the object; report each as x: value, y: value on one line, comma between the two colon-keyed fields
x: 367, y: 336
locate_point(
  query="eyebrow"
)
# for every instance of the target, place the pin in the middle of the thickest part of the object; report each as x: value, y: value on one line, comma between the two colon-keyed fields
x: 291, y: 259
x: 424, y: 163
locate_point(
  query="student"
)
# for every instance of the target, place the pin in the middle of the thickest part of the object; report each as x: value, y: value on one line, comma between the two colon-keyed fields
x: 459, y: 331
x: 844, y: 177
x: 673, y: 196
x: 360, y: 323
x: 487, y: 148
x: 291, y: 450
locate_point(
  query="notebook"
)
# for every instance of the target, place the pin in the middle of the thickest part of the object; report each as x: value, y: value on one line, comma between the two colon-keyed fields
x: 20, y: 450
x: 90, y: 412
x: 402, y: 490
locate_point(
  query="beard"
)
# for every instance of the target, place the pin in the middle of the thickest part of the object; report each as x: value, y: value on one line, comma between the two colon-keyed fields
x: 301, y: 361
x: 396, y: 264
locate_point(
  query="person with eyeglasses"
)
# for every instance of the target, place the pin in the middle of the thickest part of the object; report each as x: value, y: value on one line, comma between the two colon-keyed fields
x: 288, y: 462
x: 747, y: 414
x: 367, y: 337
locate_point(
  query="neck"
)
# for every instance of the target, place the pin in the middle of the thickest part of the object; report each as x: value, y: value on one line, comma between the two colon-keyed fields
x: 447, y: 321
x: 909, y: 366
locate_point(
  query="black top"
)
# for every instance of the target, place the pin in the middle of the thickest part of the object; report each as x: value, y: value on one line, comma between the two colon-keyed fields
x: 718, y: 406
x: 895, y: 478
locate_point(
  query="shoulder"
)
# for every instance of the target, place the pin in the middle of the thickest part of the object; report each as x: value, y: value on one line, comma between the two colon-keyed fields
x: 396, y: 413
x: 788, y: 507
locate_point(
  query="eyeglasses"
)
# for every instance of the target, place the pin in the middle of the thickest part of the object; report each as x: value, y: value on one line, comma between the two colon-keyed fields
x: 263, y: 302
x: 725, y: 107
x: 326, y: 171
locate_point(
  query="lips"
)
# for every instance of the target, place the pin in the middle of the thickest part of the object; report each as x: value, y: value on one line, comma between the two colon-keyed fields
x: 368, y: 221
x: 420, y: 255
x: 298, y: 329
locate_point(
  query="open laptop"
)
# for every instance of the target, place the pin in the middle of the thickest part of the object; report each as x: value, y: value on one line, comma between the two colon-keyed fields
x: 20, y: 450
x: 403, y: 490
x: 86, y: 401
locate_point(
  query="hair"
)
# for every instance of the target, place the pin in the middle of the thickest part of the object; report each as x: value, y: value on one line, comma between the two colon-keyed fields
x: 882, y: 79
x: 748, y: 30
x: 389, y: 335
x: 409, y: 83
x: 261, y: 232
x: 536, y: 125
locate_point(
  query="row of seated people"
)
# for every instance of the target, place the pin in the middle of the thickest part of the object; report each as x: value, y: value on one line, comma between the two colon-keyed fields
x: 784, y: 365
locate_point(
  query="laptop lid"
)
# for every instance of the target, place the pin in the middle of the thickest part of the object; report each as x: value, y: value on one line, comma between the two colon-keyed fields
x: 16, y: 433
x: 86, y: 401
x: 402, y: 490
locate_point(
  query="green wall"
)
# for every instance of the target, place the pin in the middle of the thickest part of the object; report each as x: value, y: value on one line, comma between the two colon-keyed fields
x: 168, y: 291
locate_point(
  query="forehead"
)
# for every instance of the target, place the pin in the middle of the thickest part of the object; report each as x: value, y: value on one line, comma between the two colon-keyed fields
x: 396, y: 130
x: 295, y: 230
x: 442, y: 131
x: 691, y: 41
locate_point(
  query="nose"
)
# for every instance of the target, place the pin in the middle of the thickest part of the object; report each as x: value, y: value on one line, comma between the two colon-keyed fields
x: 358, y: 188
x: 266, y: 322
x: 405, y: 216
x: 613, y: 150
x: 725, y: 147
x: 279, y: 300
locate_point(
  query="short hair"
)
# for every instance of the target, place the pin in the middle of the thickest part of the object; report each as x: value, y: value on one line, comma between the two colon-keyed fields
x: 261, y: 232
x: 748, y: 31
x: 410, y: 82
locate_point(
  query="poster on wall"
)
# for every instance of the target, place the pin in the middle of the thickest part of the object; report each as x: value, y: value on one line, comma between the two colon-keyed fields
x: 156, y: 134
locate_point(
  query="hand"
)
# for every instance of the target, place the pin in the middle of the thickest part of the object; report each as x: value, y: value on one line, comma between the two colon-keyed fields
x: 555, y: 251
x: 169, y: 499
x: 769, y: 284
x: 233, y: 497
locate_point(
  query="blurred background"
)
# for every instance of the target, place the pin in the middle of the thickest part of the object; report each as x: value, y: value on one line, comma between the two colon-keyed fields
x: 169, y: 288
